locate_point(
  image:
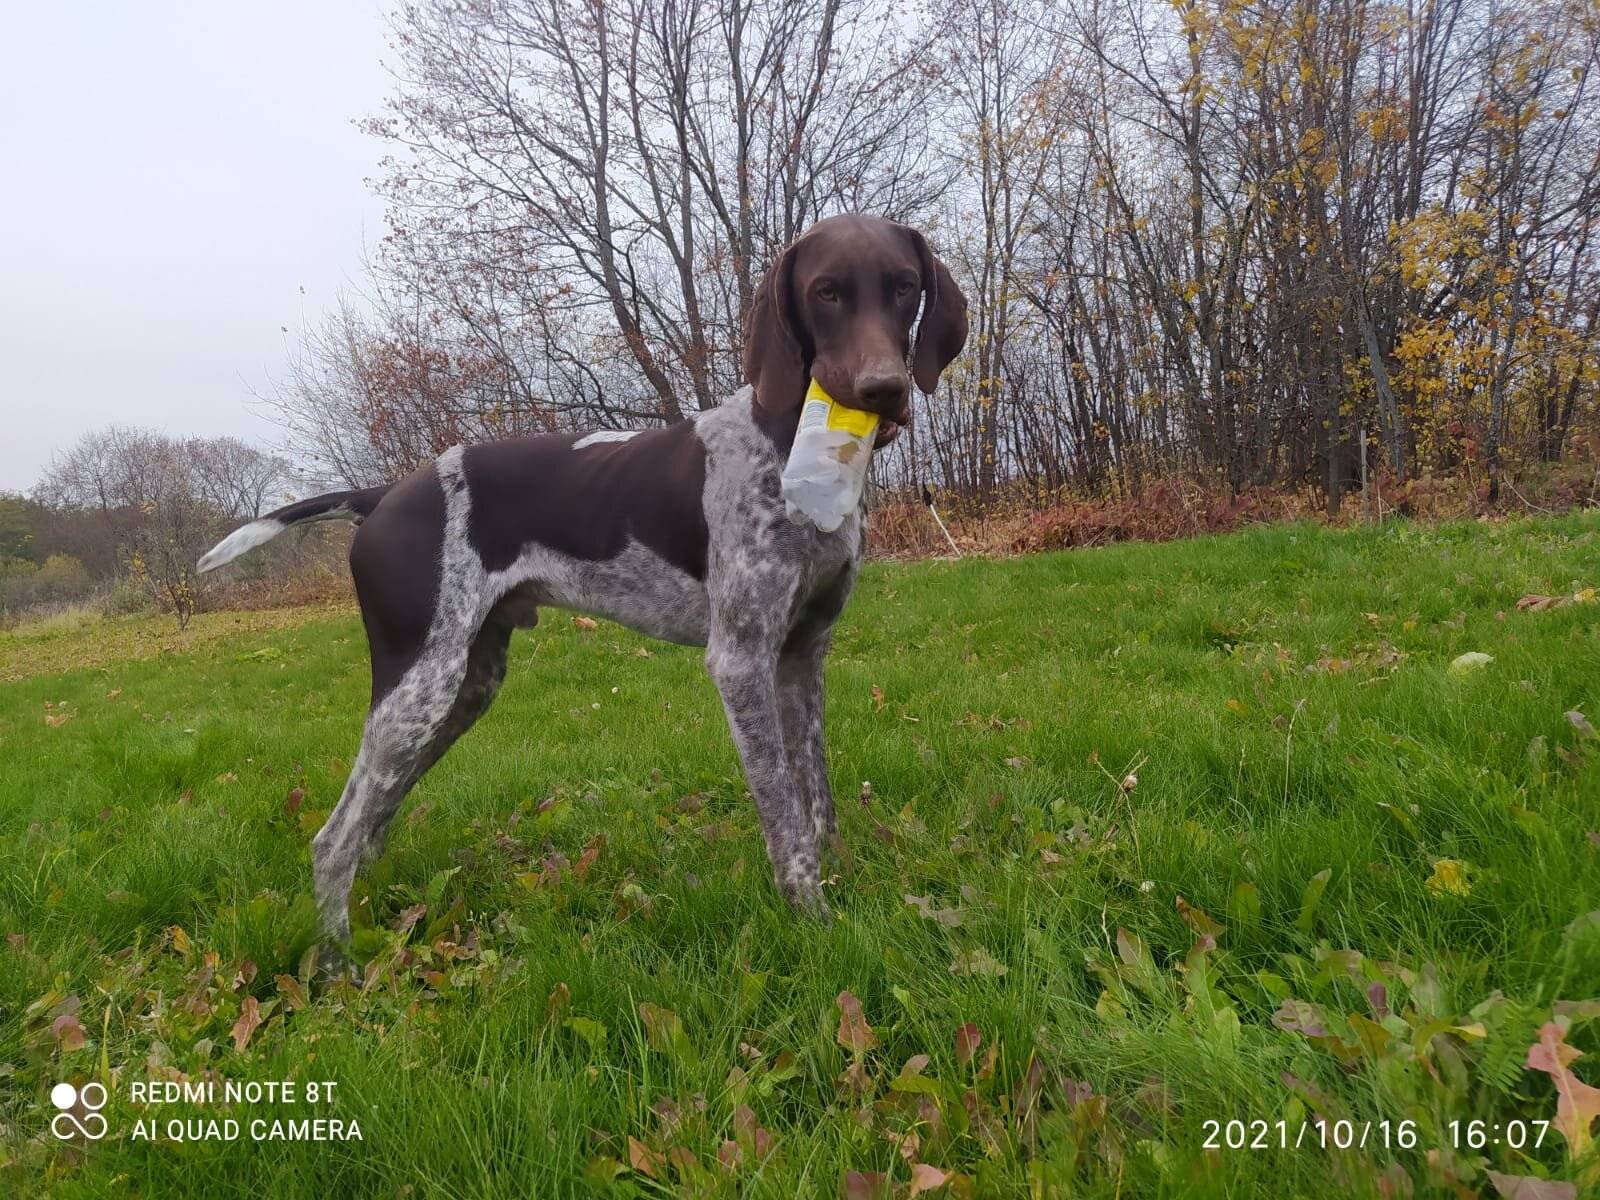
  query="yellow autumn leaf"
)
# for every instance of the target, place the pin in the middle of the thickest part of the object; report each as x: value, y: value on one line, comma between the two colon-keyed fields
x: 1449, y: 878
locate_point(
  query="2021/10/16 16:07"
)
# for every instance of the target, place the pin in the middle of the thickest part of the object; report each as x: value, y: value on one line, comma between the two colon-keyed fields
x: 1355, y: 1135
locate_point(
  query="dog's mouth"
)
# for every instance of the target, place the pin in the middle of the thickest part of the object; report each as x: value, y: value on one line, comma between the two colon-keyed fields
x: 888, y: 429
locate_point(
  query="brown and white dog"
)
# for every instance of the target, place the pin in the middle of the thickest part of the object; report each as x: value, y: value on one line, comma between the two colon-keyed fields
x: 678, y: 532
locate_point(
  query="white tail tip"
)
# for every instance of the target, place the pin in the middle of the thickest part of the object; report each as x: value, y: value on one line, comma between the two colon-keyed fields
x: 246, y: 537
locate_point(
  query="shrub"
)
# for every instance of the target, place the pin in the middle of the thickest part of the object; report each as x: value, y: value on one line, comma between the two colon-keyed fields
x: 25, y: 585
x: 62, y: 578
x: 124, y: 598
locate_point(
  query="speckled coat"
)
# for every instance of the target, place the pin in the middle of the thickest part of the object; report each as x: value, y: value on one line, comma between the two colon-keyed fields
x: 680, y: 533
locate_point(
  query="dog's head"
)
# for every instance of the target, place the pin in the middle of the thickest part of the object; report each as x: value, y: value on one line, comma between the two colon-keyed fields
x: 838, y: 306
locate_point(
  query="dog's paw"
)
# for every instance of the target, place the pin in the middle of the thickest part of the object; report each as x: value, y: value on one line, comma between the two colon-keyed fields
x: 334, y: 966
x: 805, y: 900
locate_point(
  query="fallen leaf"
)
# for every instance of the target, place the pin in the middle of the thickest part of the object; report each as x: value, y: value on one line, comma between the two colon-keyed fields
x: 1197, y: 920
x: 905, y: 1144
x: 751, y: 1138
x: 292, y: 991
x: 1472, y: 660
x: 590, y: 855
x: 1581, y: 724
x: 925, y: 1178
x: 1300, y: 1016
x: 642, y: 1158
x: 866, y: 1185
x: 1530, y: 1187
x: 662, y: 1027
x: 948, y: 917
x: 856, y: 1081
x: 68, y: 1030
x: 1579, y: 1104
x: 977, y: 961
x: 249, y: 1021
x: 56, y: 720
x: 968, y: 1039
x: 854, y: 1033
x: 586, y: 622
x: 1449, y: 878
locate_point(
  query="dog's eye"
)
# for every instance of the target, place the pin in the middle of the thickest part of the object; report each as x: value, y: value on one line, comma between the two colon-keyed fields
x: 827, y: 292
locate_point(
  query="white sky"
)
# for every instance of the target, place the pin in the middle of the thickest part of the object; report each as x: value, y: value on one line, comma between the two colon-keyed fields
x: 175, y: 173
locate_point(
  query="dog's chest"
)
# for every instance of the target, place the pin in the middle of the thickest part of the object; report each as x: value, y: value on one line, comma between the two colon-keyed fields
x: 751, y: 534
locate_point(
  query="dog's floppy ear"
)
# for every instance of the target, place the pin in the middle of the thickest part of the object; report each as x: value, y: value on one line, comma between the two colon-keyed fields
x: 774, y: 350
x: 943, y: 330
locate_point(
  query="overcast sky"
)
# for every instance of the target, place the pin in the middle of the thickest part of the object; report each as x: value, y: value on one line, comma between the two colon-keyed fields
x: 175, y: 174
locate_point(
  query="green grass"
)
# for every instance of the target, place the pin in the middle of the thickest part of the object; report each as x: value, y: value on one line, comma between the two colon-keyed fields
x: 1283, y: 696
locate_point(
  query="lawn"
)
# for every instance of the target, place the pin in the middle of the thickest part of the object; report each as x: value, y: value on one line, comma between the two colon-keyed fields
x: 1157, y: 838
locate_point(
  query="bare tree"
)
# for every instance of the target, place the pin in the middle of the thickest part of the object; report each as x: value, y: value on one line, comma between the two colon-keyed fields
x: 162, y: 501
x: 1219, y: 238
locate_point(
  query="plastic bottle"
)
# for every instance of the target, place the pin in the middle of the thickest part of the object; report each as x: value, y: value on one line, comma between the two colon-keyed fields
x: 827, y: 467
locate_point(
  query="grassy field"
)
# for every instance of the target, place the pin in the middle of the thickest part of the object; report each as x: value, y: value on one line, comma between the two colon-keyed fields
x: 1155, y: 837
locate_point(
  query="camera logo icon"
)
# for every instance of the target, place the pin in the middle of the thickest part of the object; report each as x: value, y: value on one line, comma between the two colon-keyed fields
x: 67, y: 1125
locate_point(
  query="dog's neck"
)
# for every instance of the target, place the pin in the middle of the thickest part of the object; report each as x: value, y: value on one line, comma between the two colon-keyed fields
x: 780, y: 422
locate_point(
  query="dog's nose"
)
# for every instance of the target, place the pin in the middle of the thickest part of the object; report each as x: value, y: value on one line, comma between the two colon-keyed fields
x: 882, y: 392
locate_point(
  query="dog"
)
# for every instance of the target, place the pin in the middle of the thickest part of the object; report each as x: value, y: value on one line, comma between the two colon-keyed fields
x: 680, y: 533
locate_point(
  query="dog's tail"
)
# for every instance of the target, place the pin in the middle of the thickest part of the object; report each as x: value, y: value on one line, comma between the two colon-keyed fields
x: 332, y: 506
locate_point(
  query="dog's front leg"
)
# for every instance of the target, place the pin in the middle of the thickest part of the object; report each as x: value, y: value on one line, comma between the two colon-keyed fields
x: 800, y: 703
x: 745, y: 670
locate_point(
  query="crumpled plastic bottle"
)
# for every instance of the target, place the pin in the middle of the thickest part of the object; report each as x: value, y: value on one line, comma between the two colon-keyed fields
x: 827, y: 467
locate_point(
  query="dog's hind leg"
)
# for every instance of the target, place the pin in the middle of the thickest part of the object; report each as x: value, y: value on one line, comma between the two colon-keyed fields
x: 486, y: 671
x: 407, y: 732
x: 400, y: 730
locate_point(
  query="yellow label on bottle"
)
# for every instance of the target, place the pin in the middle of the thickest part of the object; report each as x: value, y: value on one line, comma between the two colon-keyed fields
x: 853, y: 421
